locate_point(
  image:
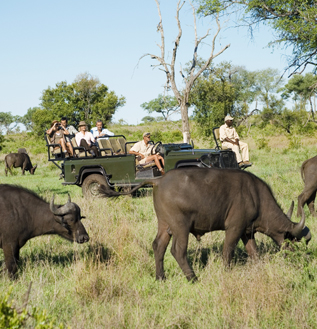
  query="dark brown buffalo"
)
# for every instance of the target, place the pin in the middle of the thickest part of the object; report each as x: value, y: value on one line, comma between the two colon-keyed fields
x: 17, y: 160
x: 24, y: 215
x: 309, y: 176
x: 201, y: 200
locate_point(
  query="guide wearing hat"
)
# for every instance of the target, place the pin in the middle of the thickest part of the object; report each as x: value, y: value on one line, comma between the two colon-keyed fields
x: 85, y: 139
x: 143, y: 149
x: 230, y: 139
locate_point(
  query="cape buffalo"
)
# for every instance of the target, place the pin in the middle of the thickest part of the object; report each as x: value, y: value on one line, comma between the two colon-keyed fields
x: 18, y: 160
x: 309, y: 176
x: 201, y: 200
x: 24, y: 215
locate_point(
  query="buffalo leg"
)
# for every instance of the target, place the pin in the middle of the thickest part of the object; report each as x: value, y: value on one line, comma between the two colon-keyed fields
x: 11, y: 258
x: 311, y: 204
x: 6, y: 170
x: 159, y: 246
x: 179, y: 251
x: 250, y: 245
x: 231, y: 241
x: 307, y: 196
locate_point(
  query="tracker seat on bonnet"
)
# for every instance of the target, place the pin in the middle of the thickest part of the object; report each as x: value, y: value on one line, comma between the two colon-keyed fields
x: 216, y: 133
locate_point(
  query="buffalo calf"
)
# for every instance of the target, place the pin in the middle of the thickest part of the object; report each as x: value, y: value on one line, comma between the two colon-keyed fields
x: 24, y: 215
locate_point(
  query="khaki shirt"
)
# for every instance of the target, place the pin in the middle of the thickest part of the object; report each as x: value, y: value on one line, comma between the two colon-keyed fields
x: 228, y: 132
x: 142, y: 148
x: 56, y: 136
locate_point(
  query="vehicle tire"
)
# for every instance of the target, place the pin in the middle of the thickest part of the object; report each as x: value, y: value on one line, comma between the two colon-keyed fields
x: 91, y: 185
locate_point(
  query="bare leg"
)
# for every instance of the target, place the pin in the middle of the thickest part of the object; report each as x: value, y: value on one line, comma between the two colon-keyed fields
x: 156, y: 160
x: 63, y: 144
x: 69, y: 149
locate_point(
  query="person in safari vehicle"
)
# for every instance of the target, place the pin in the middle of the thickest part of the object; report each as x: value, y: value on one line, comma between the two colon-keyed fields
x: 143, y: 150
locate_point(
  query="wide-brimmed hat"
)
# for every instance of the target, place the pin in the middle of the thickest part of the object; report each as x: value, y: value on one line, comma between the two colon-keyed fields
x: 82, y: 123
x: 146, y: 134
x: 228, y: 117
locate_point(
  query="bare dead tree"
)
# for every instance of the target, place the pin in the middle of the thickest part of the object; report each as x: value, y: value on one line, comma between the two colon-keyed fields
x: 182, y: 95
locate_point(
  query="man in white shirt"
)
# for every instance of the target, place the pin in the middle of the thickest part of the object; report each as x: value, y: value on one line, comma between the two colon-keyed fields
x: 100, y: 132
x: 230, y: 139
x: 143, y: 150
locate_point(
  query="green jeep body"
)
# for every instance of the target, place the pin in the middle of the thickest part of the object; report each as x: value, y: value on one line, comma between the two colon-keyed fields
x: 120, y: 170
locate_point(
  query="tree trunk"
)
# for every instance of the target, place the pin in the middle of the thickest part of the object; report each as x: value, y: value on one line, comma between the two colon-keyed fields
x: 312, y: 108
x: 185, y: 122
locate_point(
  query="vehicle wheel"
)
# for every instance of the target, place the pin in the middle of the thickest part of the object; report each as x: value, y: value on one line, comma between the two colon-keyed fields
x: 91, y: 185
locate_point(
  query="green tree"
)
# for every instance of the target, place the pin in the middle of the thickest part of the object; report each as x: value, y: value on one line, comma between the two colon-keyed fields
x: 27, y: 119
x: 268, y: 82
x: 223, y: 89
x: 294, y: 23
x: 8, y: 121
x: 213, y: 97
x: 2, y: 140
x: 164, y: 104
x: 85, y: 99
x: 301, y: 88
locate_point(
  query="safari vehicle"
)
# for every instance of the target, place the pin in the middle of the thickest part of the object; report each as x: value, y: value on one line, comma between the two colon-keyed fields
x: 116, y: 168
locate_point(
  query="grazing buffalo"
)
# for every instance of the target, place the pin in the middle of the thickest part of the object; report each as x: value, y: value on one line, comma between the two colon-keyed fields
x: 18, y: 160
x: 24, y: 215
x: 309, y: 176
x: 201, y: 200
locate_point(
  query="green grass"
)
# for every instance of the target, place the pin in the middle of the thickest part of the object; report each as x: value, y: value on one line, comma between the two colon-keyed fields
x: 110, y: 281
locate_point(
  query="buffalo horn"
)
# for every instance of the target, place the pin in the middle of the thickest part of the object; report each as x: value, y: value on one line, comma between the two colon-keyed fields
x: 69, y: 199
x: 297, y: 230
x: 59, y: 211
x: 290, y: 211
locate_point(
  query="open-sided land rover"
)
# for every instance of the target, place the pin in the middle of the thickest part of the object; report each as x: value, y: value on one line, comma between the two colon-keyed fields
x: 116, y: 168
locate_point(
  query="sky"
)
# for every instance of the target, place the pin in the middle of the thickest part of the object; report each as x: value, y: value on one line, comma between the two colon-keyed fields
x: 46, y: 42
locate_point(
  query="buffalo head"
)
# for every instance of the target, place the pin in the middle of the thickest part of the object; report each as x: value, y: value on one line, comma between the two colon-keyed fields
x: 299, y: 230
x: 32, y: 170
x: 69, y: 217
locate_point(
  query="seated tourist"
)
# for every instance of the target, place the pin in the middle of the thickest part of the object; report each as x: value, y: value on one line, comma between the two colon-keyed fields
x: 57, y: 136
x: 143, y: 150
x: 100, y: 132
x: 85, y: 139
x: 69, y: 130
x: 230, y: 139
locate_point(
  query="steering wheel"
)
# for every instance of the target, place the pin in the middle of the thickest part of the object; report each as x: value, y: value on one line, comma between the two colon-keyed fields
x: 156, y: 148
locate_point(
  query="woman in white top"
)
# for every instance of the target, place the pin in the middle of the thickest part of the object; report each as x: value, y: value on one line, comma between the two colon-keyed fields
x: 85, y: 139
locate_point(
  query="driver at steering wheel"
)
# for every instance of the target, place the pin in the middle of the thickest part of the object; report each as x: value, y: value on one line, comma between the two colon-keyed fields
x: 143, y: 150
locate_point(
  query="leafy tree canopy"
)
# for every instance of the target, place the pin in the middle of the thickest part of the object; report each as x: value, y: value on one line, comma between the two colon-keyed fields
x: 164, y: 104
x: 294, y: 22
x: 8, y: 121
x: 85, y: 99
x: 230, y: 89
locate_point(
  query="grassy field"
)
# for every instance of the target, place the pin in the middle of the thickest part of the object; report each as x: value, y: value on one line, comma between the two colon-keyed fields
x: 110, y: 281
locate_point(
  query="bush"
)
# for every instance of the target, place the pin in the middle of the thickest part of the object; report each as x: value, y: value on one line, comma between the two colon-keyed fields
x: 14, y: 318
